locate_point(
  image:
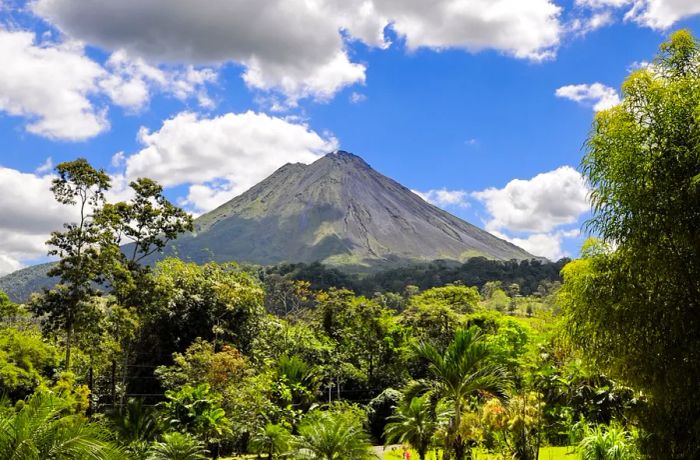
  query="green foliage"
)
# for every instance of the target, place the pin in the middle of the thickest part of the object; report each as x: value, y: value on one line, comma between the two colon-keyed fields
x: 201, y: 364
x: 196, y: 410
x: 634, y: 310
x: 366, y: 340
x: 461, y: 299
x: 296, y: 382
x: 8, y: 309
x: 379, y: 409
x: 333, y: 435
x: 134, y: 423
x: 602, y: 442
x: 216, y: 302
x: 413, y: 423
x: 462, y: 370
x: 43, y: 428
x: 275, y: 440
x: 25, y: 361
x: 178, y: 446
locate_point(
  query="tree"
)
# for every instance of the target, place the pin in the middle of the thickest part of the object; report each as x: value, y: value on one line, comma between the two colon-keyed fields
x: 197, y: 411
x: 463, y: 370
x: 217, y: 302
x: 274, y: 439
x: 79, y: 248
x: 178, y: 446
x: 633, y: 301
x: 43, y: 428
x: 333, y: 435
x: 25, y: 361
x: 413, y: 423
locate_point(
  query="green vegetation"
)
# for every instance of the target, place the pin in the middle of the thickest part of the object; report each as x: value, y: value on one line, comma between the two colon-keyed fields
x: 187, y: 361
x: 632, y: 301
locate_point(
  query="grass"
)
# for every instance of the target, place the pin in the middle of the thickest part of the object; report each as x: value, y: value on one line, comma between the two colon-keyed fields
x: 546, y: 453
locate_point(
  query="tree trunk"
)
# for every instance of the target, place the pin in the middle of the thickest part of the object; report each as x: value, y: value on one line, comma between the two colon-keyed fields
x: 69, y: 339
x: 125, y: 370
x: 114, y: 384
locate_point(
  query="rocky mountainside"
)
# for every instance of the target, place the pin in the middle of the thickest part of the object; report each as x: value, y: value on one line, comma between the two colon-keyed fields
x: 340, y: 211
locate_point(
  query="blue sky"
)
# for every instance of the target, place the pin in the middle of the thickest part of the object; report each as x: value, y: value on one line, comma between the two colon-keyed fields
x: 482, y: 106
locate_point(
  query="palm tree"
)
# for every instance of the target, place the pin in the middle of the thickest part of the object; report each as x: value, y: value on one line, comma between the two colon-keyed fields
x: 329, y: 436
x: 273, y: 439
x: 134, y: 422
x: 463, y: 370
x: 43, y: 428
x: 414, y: 423
x: 178, y: 446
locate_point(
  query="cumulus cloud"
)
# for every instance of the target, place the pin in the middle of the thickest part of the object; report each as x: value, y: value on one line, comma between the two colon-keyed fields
x: 527, y: 29
x: 656, y: 14
x: 599, y: 96
x: 539, y: 204
x: 582, y: 26
x: 131, y: 81
x: 29, y: 213
x: 54, y: 85
x: 223, y: 156
x: 662, y: 14
x: 444, y: 198
x: 547, y: 245
x: 299, y: 47
x: 50, y: 84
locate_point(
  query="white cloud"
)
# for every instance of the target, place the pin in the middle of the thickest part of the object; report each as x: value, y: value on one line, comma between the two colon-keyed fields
x: 662, y: 14
x: 547, y: 245
x: 444, y: 198
x: 205, y: 197
x: 320, y: 83
x: 223, y: 156
x: 50, y: 84
x: 539, y: 204
x: 29, y: 213
x: 45, y: 167
x: 53, y: 85
x: 356, y: 97
x: 601, y: 97
x: 118, y: 159
x: 603, y: 3
x: 528, y: 29
x: 582, y: 26
x: 131, y: 80
x: 298, y: 47
x: 656, y: 14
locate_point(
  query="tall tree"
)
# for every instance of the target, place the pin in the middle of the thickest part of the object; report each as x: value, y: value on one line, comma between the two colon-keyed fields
x: 79, y: 247
x: 459, y: 372
x: 633, y: 300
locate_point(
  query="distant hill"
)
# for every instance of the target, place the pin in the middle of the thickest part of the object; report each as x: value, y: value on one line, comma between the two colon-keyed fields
x: 337, y: 211
x: 20, y: 285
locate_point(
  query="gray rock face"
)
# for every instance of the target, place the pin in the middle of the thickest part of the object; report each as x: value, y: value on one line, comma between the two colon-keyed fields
x: 339, y: 211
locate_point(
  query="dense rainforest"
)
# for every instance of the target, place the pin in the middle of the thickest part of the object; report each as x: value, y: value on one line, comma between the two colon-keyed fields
x: 598, y: 356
